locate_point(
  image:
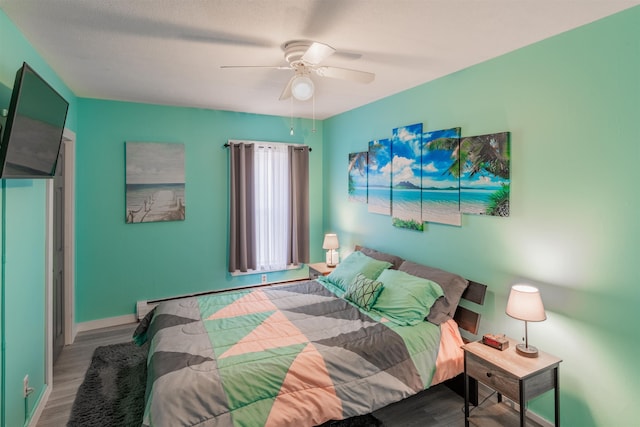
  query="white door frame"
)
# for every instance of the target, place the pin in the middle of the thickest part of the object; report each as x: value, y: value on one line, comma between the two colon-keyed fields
x: 69, y: 140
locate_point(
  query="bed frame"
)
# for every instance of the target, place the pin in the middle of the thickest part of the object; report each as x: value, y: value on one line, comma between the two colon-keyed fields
x: 469, y: 321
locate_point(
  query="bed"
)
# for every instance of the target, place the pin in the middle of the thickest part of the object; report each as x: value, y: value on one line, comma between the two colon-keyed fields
x: 305, y: 353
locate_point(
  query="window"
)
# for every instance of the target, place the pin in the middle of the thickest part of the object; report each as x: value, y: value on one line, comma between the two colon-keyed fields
x: 269, y: 206
x: 271, y: 209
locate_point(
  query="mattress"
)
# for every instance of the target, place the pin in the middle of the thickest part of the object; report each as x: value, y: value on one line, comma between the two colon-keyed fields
x: 288, y: 355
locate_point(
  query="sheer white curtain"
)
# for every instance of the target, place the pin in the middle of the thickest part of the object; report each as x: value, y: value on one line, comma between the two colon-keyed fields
x: 272, y: 205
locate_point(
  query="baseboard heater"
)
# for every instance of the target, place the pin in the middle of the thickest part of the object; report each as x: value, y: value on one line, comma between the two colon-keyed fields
x: 143, y: 307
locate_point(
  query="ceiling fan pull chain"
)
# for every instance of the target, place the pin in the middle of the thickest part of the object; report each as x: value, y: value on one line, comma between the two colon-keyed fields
x: 291, y: 120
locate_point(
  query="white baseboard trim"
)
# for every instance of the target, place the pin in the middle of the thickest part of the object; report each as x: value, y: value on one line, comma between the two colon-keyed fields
x: 529, y: 414
x: 42, y: 403
x: 106, y: 323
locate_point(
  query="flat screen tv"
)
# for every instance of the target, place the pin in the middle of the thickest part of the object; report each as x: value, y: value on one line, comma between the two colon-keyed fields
x: 33, y: 130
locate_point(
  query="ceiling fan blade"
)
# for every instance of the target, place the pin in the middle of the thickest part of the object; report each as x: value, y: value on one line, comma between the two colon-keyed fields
x: 317, y: 52
x: 345, y: 74
x: 273, y: 67
x: 286, y: 93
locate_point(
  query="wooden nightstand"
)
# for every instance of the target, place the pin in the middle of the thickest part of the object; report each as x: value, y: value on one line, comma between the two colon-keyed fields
x: 517, y: 377
x: 319, y: 269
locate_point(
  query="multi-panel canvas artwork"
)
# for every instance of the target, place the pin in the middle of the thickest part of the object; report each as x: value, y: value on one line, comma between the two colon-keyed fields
x: 433, y: 176
x: 358, y: 177
x: 155, y: 182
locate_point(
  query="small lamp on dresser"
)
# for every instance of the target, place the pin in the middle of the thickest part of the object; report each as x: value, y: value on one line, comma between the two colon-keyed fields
x: 331, y: 244
x: 525, y: 304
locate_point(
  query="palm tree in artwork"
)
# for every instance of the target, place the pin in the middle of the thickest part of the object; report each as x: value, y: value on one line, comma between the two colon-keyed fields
x: 488, y: 153
x: 477, y: 154
x: 357, y: 163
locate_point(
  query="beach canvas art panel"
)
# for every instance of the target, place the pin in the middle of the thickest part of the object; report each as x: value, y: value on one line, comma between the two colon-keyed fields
x: 155, y: 182
x: 406, y: 177
x: 358, y: 177
x: 379, y: 176
x: 485, y: 176
x: 441, y: 177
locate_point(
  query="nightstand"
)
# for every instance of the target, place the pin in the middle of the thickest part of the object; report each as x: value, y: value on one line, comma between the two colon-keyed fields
x: 319, y: 269
x: 517, y: 377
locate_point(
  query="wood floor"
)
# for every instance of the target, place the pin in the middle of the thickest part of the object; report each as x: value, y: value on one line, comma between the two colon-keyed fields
x: 436, y: 407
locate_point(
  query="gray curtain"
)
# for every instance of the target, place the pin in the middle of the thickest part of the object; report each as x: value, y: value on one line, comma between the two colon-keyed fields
x: 242, y: 251
x: 299, y: 195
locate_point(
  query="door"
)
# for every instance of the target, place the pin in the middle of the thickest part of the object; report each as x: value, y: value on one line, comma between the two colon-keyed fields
x: 58, y: 257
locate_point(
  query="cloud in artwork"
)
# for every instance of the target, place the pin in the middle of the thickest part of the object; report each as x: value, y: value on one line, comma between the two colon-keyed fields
x: 402, y: 170
x: 430, y: 167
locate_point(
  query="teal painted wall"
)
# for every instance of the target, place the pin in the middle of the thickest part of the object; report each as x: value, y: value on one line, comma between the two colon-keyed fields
x: 572, y: 104
x: 23, y: 287
x: 121, y: 263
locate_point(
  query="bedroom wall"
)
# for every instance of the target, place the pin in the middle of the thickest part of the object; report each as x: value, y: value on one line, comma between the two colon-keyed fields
x: 571, y: 104
x: 119, y: 263
x: 22, y: 311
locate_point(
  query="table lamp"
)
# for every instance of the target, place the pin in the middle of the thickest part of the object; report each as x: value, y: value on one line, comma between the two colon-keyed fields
x: 525, y: 304
x: 331, y: 244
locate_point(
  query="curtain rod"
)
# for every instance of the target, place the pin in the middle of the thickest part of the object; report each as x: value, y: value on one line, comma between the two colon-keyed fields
x: 226, y: 145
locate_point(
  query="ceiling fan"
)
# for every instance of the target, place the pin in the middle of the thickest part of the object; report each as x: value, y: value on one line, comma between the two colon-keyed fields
x: 304, y: 58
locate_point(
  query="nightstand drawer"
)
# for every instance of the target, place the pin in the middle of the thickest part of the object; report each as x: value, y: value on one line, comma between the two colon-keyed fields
x: 494, y: 377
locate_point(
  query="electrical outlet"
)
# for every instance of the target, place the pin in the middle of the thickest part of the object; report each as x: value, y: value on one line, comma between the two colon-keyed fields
x: 25, y: 386
x: 264, y: 278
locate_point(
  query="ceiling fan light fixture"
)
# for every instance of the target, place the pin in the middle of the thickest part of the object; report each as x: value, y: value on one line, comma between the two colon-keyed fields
x: 302, y: 88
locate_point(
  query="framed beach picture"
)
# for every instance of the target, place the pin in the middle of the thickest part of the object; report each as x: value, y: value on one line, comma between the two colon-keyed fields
x: 441, y: 177
x: 406, y: 177
x: 358, y: 177
x: 485, y: 177
x: 379, y: 177
x: 155, y: 182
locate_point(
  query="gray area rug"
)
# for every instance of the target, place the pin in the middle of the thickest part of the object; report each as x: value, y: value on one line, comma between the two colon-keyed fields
x: 112, y: 393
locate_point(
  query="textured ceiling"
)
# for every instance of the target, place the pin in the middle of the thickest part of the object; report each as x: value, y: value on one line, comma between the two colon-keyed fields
x: 170, y: 51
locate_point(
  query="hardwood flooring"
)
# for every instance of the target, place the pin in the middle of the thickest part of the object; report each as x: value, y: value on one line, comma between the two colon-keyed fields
x: 71, y: 367
x: 436, y: 407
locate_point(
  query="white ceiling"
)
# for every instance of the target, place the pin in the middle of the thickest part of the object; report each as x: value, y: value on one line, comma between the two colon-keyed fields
x: 170, y: 51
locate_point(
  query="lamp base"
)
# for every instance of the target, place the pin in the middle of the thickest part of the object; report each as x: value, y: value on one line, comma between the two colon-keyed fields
x: 525, y: 351
x: 332, y: 258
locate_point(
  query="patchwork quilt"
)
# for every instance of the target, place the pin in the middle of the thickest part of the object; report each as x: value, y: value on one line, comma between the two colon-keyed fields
x: 289, y: 355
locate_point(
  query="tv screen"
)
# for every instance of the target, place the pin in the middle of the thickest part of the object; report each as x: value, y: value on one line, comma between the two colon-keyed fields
x: 33, y: 130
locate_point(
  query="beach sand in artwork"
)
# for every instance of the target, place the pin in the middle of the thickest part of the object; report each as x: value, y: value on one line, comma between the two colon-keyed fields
x: 162, y: 205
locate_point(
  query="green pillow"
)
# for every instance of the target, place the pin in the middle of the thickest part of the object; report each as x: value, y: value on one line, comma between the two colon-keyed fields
x: 363, y: 291
x: 345, y: 273
x: 406, y: 299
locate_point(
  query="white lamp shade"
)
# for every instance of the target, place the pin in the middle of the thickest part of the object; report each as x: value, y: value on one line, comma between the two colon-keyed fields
x: 525, y: 303
x: 302, y: 88
x: 330, y: 241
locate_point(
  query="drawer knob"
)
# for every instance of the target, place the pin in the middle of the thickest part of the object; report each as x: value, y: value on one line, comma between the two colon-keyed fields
x: 488, y: 374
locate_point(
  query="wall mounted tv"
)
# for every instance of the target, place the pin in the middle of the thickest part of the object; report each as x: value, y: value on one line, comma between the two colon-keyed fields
x: 33, y: 129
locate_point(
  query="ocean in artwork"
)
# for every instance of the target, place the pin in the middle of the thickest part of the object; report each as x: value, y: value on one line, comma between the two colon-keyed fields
x: 406, y: 204
x: 475, y: 201
x: 359, y: 195
x: 380, y: 200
